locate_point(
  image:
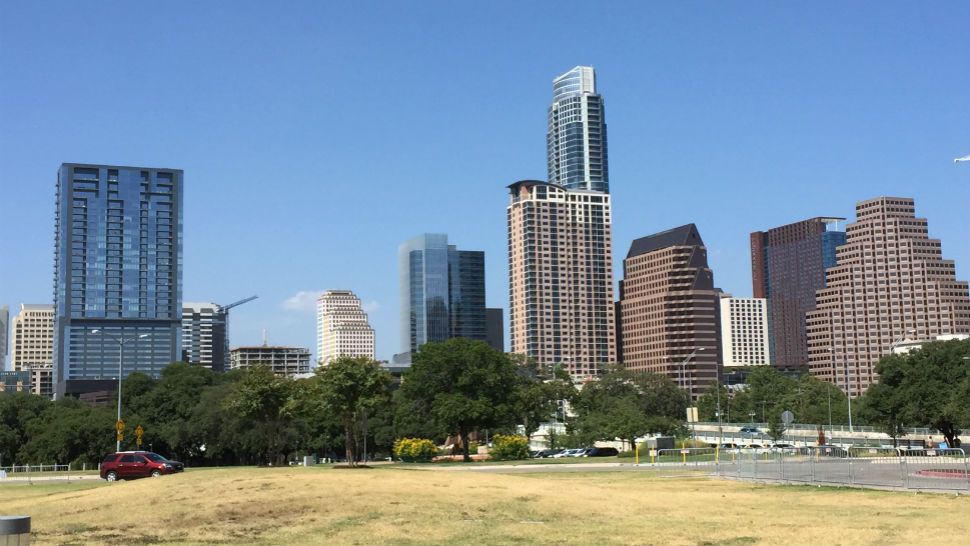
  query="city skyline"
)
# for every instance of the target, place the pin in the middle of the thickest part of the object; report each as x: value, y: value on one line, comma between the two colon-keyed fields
x: 677, y: 155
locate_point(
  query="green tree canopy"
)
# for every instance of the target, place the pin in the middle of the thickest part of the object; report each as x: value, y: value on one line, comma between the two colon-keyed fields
x: 347, y: 389
x: 461, y: 385
x: 627, y: 405
x: 928, y: 386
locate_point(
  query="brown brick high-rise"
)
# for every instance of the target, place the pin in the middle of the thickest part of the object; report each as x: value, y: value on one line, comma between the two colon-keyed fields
x: 891, y: 283
x: 787, y: 267
x: 669, y: 309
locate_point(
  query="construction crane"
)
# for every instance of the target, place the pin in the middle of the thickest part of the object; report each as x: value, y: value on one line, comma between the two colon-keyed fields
x: 224, y: 311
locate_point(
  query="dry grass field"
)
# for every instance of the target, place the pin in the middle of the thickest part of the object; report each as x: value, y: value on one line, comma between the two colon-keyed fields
x: 296, y: 506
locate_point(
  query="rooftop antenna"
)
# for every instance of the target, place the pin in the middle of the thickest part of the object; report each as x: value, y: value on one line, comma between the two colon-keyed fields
x: 264, y: 337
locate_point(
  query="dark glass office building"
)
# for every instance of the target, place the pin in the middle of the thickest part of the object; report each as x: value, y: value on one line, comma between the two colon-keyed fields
x: 117, y: 274
x: 442, y: 292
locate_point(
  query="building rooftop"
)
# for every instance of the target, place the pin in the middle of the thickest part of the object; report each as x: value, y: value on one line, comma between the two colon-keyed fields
x: 686, y: 235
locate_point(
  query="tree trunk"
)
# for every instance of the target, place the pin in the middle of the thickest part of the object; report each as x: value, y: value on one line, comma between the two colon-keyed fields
x: 463, y: 434
x: 949, y: 433
x: 349, y: 440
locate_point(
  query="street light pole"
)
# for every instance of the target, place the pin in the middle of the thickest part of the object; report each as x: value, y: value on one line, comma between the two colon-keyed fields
x: 121, y: 347
x: 848, y: 388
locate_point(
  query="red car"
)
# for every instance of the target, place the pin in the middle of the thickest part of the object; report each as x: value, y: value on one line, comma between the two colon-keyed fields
x: 128, y: 465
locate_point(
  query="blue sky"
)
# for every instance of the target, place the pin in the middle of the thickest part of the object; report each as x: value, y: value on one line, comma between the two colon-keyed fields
x: 317, y: 136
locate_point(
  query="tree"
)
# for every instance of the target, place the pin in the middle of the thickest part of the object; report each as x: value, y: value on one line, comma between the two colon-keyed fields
x: 539, y: 393
x: 925, y: 387
x: 261, y: 398
x: 347, y: 388
x: 627, y: 405
x: 462, y: 385
x: 883, y: 404
x: 776, y: 427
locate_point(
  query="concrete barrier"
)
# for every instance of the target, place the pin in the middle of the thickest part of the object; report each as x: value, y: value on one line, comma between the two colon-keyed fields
x: 14, y: 530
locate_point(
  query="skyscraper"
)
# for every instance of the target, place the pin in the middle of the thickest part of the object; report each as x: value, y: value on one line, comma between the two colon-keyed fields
x: 576, y: 137
x: 442, y: 293
x: 342, y: 327
x: 204, y: 336
x: 669, y: 309
x: 117, y: 273
x: 33, y: 345
x: 561, y: 277
x: 788, y: 265
x: 744, y: 331
x: 560, y: 239
x: 4, y: 330
x: 891, y: 283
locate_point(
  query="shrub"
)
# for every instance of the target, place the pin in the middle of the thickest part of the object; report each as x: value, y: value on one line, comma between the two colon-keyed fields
x: 509, y: 447
x: 415, y: 450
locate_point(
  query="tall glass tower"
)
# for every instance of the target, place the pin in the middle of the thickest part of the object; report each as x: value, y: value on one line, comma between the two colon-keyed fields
x: 442, y: 292
x: 576, y: 138
x: 117, y: 274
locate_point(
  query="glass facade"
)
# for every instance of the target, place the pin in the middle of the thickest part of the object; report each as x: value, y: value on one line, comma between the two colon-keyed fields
x: 576, y: 137
x: 442, y: 292
x: 118, y: 270
x: 831, y: 240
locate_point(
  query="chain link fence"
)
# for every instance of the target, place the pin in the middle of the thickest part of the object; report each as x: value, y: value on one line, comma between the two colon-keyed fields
x: 875, y: 467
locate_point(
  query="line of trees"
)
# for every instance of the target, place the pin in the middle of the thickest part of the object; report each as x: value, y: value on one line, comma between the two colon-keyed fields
x: 456, y: 388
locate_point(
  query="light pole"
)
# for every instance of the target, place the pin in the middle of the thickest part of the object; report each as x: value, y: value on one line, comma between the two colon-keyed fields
x: 121, y: 345
x: 690, y: 391
x: 892, y: 348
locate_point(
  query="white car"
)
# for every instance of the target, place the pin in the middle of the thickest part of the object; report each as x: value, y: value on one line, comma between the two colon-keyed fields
x: 570, y: 453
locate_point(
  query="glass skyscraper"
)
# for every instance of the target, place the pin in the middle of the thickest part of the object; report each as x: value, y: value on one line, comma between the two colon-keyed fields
x: 442, y: 292
x: 576, y: 138
x: 117, y: 273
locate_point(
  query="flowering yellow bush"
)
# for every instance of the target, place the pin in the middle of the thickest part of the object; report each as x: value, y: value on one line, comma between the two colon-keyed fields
x: 415, y: 450
x: 509, y: 447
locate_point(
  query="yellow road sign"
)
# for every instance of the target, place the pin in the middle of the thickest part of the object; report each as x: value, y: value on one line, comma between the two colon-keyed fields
x: 121, y: 436
x: 120, y: 426
x: 139, y: 432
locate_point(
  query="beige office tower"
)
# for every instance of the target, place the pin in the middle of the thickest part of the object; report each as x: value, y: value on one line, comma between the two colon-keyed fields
x: 561, y: 276
x: 32, y: 347
x: 890, y: 283
x: 669, y: 309
x: 342, y: 327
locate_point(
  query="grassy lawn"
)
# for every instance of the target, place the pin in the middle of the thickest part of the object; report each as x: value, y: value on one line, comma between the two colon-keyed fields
x: 300, y: 506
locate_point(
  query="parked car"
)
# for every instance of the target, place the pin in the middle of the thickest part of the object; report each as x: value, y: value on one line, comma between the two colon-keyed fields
x: 578, y: 452
x: 601, y: 452
x: 128, y: 465
x: 749, y: 430
x: 546, y: 453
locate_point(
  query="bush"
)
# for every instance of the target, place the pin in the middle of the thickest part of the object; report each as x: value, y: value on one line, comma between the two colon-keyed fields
x: 509, y: 447
x: 415, y: 450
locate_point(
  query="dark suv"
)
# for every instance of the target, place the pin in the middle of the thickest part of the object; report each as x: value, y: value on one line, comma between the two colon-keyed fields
x: 128, y: 465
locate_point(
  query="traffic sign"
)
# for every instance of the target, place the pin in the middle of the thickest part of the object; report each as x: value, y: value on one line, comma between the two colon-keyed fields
x: 787, y: 417
x: 120, y: 426
x: 121, y: 436
x: 139, y: 431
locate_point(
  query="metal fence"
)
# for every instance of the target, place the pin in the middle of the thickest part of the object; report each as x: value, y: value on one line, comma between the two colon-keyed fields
x: 876, y: 467
x: 926, y: 469
x: 35, y: 468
